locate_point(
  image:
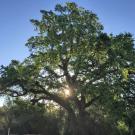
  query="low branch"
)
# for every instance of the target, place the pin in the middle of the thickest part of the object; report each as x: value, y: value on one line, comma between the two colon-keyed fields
x: 56, y: 98
x: 35, y: 100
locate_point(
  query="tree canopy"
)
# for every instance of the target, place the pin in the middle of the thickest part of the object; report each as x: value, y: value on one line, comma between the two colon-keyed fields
x: 75, y: 64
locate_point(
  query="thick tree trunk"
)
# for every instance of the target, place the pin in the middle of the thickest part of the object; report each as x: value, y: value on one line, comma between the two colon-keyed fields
x: 80, y: 127
x: 82, y: 124
x: 79, y: 124
x: 72, y: 125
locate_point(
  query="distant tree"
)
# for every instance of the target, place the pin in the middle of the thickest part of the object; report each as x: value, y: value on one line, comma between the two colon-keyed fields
x: 74, y: 64
x: 28, y: 119
x: 3, y: 121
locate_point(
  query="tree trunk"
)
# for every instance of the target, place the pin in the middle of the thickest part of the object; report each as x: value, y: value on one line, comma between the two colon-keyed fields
x: 82, y: 124
x: 78, y: 125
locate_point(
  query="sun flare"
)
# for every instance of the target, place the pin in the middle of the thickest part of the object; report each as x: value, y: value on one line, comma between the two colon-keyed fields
x: 67, y: 92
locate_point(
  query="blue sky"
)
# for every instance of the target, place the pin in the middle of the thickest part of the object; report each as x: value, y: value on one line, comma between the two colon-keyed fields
x: 15, y: 28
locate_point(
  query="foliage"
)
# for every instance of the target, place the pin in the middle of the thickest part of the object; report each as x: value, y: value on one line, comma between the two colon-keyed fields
x: 72, y: 52
x: 28, y: 119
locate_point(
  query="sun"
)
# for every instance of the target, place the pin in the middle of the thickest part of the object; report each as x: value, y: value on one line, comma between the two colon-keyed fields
x: 67, y: 92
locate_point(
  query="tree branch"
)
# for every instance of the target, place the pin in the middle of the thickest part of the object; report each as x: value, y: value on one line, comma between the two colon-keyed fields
x: 56, y: 98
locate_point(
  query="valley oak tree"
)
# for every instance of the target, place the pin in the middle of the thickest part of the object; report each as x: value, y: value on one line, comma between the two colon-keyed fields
x: 75, y: 64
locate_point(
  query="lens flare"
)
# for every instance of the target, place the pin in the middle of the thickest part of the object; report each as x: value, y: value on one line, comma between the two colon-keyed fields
x: 67, y: 92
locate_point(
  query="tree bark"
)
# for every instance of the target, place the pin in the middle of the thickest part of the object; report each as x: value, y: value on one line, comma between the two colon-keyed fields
x: 79, y: 123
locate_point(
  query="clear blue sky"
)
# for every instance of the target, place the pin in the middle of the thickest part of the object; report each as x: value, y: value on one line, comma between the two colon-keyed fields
x: 116, y: 16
